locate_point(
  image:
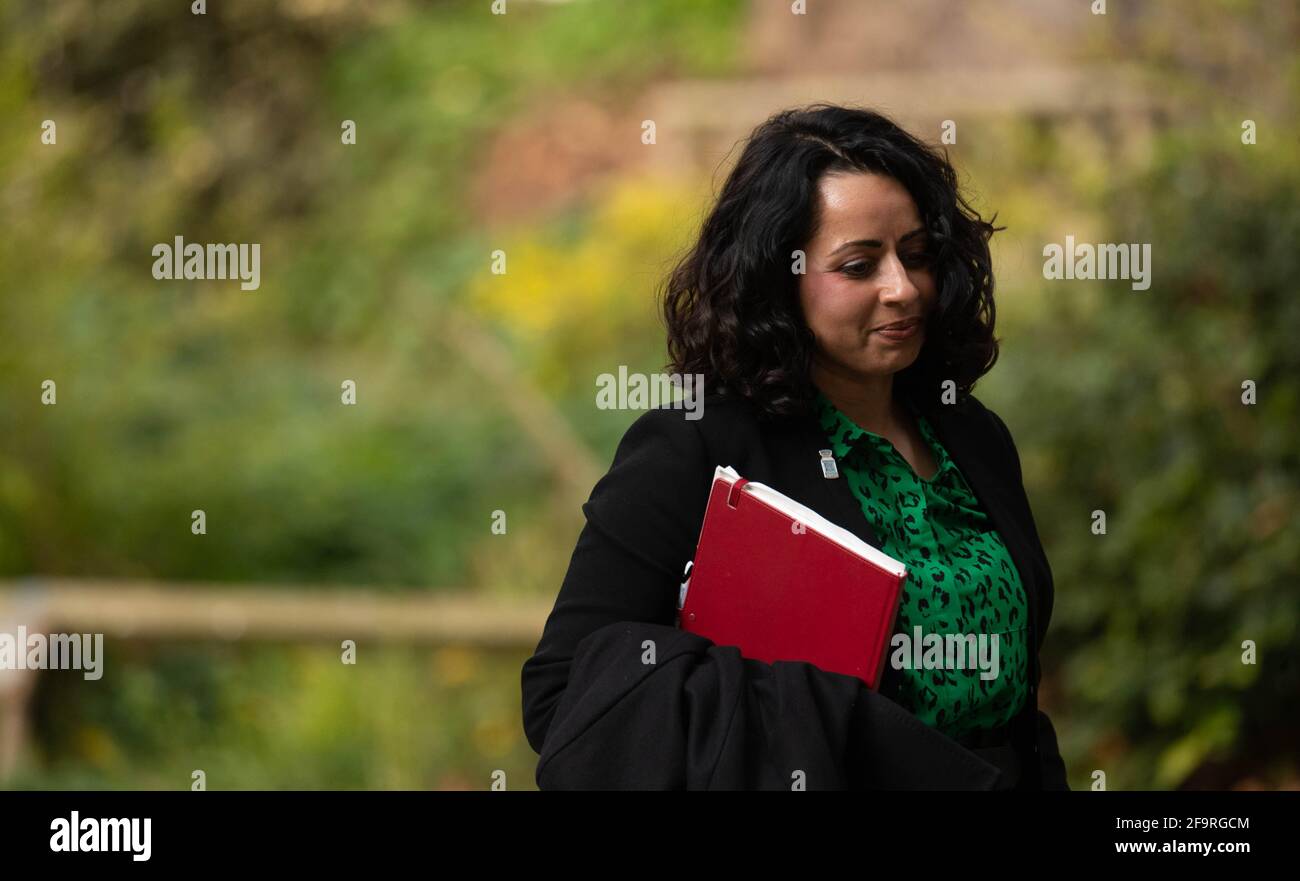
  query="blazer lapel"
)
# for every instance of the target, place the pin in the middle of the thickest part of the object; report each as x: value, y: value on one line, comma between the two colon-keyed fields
x: 797, y: 466
x: 797, y: 463
x: 960, y: 437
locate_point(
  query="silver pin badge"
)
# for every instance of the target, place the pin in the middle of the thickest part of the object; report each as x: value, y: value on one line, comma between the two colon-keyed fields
x: 829, y: 471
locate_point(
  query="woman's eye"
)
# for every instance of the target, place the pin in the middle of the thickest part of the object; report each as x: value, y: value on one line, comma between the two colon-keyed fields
x: 857, y: 270
x: 917, y: 258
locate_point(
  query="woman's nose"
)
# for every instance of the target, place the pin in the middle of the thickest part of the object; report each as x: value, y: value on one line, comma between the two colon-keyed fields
x: 895, y: 284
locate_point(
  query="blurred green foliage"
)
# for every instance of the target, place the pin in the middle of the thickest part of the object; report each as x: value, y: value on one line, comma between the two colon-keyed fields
x: 174, y: 396
x: 182, y: 395
x: 261, y: 717
x: 1133, y: 404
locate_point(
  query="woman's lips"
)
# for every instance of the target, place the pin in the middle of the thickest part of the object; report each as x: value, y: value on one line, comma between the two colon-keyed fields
x: 902, y: 331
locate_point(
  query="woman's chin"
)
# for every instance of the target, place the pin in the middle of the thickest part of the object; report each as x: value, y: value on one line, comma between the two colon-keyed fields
x: 891, y: 359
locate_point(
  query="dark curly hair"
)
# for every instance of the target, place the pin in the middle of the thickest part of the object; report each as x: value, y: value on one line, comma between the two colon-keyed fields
x: 732, y: 305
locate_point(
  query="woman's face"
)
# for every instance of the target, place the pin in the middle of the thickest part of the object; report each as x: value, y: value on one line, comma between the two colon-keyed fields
x: 866, y: 268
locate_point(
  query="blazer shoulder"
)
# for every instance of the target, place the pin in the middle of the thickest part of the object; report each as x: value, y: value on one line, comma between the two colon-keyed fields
x: 979, y: 427
x: 1000, y: 435
x: 655, y: 489
x: 971, y: 406
x: 661, y: 433
x: 654, y: 495
x: 684, y: 432
x: 981, y: 411
x: 976, y: 413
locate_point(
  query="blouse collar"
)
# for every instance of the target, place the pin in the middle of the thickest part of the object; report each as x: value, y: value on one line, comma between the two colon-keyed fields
x: 853, y: 443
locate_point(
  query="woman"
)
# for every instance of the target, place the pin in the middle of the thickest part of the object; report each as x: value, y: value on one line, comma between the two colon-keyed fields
x: 840, y: 297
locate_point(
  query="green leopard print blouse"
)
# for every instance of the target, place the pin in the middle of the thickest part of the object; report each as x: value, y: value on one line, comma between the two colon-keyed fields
x: 961, y: 578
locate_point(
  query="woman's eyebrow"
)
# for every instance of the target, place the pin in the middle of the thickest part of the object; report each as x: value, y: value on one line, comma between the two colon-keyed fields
x: 876, y: 243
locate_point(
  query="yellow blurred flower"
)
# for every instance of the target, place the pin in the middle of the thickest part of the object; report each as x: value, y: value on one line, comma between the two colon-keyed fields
x: 634, y: 228
x: 96, y: 746
x: 454, y: 666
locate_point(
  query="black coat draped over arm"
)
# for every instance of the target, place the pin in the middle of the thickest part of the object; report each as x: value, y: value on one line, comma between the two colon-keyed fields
x: 617, y: 697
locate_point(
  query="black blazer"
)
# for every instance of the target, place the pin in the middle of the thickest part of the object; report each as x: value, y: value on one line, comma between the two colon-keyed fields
x: 604, y: 713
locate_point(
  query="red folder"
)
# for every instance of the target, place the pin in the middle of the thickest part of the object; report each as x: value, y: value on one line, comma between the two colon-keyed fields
x: 782, y: 583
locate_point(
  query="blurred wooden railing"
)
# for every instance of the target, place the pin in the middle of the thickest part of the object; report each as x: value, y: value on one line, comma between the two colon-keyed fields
x: 162, y: 611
